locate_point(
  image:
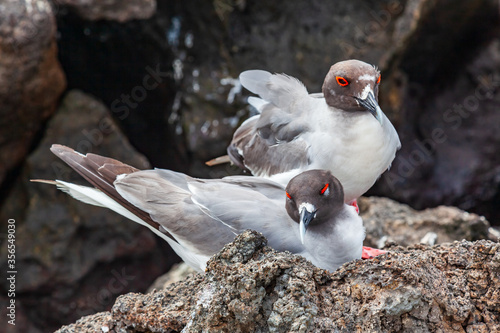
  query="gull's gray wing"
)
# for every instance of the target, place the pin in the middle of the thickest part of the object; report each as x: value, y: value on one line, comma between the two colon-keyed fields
x: 270, y: 143
x: 279, y: 89
x: 210, y: 213
x: 249, y: 203
x: 171, y: 206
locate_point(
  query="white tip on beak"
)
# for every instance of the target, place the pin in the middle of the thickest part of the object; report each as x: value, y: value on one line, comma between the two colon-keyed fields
x: 307, y: 214
x: 378, y: 114
x: 302, y: 231
x: 370, y: 103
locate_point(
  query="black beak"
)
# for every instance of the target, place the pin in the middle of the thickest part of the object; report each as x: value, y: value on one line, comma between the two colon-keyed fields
x: 305, y: 218
x: 370, y: 103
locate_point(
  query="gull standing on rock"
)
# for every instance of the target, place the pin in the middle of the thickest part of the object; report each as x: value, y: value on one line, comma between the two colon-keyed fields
x: 342, y: 129
x: 198, y: 217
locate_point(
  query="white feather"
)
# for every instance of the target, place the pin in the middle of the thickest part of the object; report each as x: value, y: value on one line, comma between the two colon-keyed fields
x: 255, y: 81
x: 257, y: 103
x: 279, y: 89
x: 307, y: 206
x: 366, y: 77
x: 351, y: 146
x: 250, y: 120
x: 93, y: 196
x: 342, y: 142
x: 317, y: 95
x: 84, y: 194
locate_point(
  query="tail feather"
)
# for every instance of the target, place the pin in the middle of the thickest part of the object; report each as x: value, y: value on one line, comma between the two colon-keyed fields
x: 101, y: 172
x: 88, y: 195
x: 110, y: 171
x: 93, y: 196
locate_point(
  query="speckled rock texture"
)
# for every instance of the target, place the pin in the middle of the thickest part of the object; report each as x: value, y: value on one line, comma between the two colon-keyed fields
x: 248, y: 287
x: 31, y: 78
x: 97, y: 323
x: 113, y: 10
x: 177, y: 273
x: 390, y: 222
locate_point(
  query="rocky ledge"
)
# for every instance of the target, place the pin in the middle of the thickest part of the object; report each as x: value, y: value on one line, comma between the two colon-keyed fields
x: 249, y: 287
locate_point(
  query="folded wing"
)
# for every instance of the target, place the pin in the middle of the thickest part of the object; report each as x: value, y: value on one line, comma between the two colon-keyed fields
x: 270, y: 143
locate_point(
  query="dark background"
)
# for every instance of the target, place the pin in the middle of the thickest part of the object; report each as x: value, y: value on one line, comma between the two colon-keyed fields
x: 70, y: 73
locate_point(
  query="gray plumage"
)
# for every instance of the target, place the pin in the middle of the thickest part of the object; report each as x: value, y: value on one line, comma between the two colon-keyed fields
x: 198, y: 217
x: 342, y: 129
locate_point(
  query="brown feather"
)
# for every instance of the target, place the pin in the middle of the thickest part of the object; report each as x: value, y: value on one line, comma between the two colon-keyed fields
x: 101, y: 172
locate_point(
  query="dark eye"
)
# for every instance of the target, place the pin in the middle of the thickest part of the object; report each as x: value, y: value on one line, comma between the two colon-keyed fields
x: 325, y: 190
x: 379, y: 78
x: 341, y: 81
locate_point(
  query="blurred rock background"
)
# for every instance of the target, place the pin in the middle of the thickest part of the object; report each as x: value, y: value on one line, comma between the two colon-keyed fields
x: 155, y: 84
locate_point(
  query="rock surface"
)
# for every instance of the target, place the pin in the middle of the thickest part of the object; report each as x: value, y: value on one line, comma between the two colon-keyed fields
x: 177, y: 273
x: 387, y: 221
x: 116, y: 10
x: 31, y: 78
x: 170, y: 82
x: 74, y: 259
x: 249, y: 287
x: 97, y: 323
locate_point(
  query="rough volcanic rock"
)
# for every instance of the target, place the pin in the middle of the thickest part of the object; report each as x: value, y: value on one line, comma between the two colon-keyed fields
x: 116, y: 10
x: 74, y: 259
x: 31, y: 78
x: 177, y: 272
x: 390, y: 223
x: 249, y: 287
x: 387, y: 221
x: 97, y: 323
x: 171, y: 83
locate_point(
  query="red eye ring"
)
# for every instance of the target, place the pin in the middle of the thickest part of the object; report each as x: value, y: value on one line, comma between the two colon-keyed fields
x: 379, y: 78
x: 324, y: 189
x: 288, y: 196
x: 341, y: 81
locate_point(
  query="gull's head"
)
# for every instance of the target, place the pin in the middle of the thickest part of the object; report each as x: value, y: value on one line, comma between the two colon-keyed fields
x: 353, y: 85
x: 313, y: 197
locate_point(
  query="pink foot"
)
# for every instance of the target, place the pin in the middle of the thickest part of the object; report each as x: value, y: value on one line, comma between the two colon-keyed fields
x: 354, y: 203
x: 370, y: 253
